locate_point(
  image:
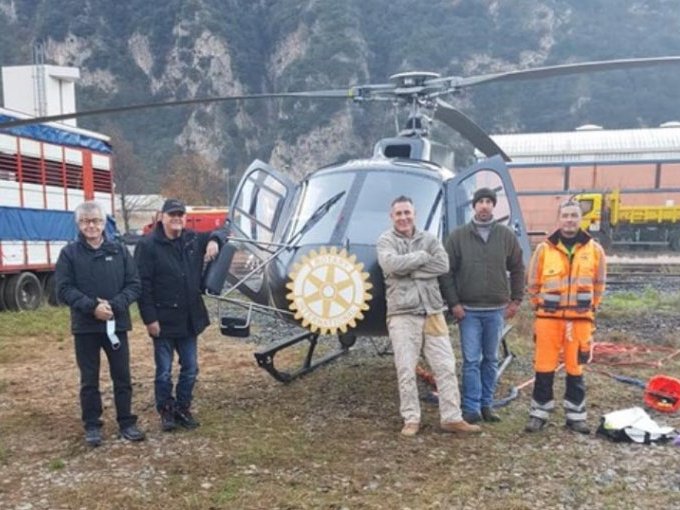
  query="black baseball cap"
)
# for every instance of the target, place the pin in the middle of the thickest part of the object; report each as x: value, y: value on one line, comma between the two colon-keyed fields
x: 173, y: 205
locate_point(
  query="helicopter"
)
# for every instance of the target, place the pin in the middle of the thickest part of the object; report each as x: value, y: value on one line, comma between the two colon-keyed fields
x: 305, y: 251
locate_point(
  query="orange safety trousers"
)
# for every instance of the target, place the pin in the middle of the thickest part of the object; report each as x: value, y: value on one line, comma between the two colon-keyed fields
x: 561, y: 336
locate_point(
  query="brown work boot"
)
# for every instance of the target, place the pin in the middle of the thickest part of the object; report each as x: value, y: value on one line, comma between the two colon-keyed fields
x: 410, y: 429
x: 459, y: 427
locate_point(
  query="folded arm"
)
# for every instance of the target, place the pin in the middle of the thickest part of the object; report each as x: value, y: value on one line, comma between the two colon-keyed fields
x: 437, y: 264
x: 392, y: 263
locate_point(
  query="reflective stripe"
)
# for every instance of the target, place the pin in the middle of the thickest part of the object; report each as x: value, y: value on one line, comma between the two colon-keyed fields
x: 569, y: 331
x: 570, y: 406
x: 539, y: 413
x: 553, y: 284
x: 572, y: 416
x: 548, y: 406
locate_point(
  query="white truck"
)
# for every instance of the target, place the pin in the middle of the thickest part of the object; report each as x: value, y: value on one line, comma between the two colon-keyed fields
x: 46, y: 170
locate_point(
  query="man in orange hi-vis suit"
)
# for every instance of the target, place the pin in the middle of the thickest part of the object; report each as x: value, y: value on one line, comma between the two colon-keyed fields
x: 566, y: 281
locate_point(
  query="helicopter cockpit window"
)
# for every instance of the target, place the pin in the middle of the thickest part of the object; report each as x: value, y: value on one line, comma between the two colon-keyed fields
x: 483, y: 179
x: 371, y: 213
x: 255, y: 214
x: 242, y: 265
x: 258, y: 206
x: 317, y: 191
x: 275, y: 185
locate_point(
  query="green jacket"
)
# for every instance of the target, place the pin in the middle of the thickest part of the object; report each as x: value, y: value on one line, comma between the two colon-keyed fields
x: 411, y: 266
x: 477, y: 275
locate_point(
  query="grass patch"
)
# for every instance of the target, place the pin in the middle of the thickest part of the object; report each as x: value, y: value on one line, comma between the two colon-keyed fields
x: 229, y: 491
x: 56, y: 465
x: 46, y: 320
x: 649, y: 300
x: 4, y: 455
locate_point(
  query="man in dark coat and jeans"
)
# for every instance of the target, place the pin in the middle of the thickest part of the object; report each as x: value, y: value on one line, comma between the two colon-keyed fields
x: 170, y: 261
x: 479, y: 294
x: 98, y: 280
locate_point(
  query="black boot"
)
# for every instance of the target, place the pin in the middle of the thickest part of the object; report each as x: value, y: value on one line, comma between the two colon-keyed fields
x: 132, y: 433
x: 184, y: 418
x: 579, y: 426
x: 93, y: 436
x: 168, y: 422
x: 534, y: 424
x: 472, y: 417
x: 489, y: 416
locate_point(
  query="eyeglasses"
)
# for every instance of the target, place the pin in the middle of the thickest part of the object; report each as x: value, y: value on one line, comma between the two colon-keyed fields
x: 90, y: 221
x: 175, y: 214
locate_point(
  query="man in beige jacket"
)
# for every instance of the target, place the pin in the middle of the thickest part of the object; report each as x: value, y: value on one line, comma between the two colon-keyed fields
x: 411, y: 261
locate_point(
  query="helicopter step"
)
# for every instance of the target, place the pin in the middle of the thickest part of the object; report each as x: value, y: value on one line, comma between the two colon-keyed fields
x: 265, y: 359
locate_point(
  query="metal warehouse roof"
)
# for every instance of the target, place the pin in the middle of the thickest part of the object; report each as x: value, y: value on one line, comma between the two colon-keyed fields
x: 592, y: 143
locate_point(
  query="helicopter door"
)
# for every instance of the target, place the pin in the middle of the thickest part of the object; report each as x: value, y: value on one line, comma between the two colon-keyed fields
x: 490, y: 173
x: 257, y: 213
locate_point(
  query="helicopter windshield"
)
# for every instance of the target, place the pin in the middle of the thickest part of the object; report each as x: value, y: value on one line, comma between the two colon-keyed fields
x: 362, y: 213
x: 370, y: 217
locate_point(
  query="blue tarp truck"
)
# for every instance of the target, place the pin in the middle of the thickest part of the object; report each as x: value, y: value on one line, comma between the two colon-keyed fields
x: 46, y: 170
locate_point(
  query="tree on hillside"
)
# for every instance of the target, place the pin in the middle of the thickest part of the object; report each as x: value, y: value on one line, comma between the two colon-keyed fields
x: 128, y: 175
x: 194, y: 180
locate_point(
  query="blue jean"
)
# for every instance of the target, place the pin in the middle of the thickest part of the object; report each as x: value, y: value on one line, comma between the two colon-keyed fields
x: 480, y: 337
x: 164, y: 349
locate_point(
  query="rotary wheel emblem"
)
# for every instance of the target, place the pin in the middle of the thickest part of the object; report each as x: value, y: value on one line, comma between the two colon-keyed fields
x: 329, y: 291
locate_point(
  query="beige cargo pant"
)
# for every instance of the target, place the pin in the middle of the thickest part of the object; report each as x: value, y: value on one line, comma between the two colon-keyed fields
x: 409, y: 335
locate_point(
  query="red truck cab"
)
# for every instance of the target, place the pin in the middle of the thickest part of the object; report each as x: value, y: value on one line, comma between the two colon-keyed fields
x: 199, y: 218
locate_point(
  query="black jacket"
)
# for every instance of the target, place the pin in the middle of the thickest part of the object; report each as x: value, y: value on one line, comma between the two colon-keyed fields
x: 171, y: 273
x: 84, y: 274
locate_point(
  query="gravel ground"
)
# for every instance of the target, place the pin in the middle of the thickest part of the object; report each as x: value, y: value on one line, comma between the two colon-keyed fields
x: 330, y: 440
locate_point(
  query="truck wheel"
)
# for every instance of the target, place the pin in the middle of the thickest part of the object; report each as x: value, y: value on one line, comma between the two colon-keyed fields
x: 50, y: 290
x: 675, y: 242
x: 3, y: 279
x: 23, y: 292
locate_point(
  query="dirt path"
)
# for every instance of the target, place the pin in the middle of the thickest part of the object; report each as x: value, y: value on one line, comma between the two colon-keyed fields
x: 329, y: 440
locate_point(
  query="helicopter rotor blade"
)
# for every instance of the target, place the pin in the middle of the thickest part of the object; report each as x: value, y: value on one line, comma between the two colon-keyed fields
x: 457, y: 83
x: 318, y: 94
x: 468, y: 129
x: 429, y: 87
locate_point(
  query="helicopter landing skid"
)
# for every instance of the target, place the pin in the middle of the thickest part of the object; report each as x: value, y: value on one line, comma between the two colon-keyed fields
x: 265, y: 359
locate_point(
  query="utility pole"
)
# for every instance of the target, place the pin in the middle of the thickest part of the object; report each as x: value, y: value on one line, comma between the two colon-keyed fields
x: 228, y: 174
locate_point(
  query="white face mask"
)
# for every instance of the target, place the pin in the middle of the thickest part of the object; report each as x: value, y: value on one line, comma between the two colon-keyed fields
x: 111, y: 333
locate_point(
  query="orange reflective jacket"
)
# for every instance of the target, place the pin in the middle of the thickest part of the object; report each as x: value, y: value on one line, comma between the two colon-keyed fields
x: 564, y: 285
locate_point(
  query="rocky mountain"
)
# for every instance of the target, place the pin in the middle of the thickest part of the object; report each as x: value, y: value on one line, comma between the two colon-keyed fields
x: 150, y: 50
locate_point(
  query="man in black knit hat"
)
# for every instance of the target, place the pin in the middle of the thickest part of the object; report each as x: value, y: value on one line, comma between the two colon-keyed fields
x: 480, y: 297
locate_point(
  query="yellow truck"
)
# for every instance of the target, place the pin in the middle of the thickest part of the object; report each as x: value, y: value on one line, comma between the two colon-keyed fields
x: 655, y: 226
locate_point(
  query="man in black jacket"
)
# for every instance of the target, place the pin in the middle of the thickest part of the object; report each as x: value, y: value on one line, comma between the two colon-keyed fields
x: 170, y: 261
x: 98, y: 280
